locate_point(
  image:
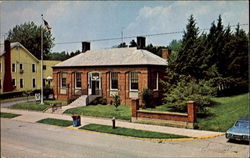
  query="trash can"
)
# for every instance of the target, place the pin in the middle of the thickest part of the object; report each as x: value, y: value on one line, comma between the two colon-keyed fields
x: 76, y: 120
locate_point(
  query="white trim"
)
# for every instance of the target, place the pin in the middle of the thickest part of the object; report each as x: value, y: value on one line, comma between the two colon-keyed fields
x: 133, y: 90
x: 32, y: 82
x: 12, y: 67
x: 110, y: 82
x: 32, y: 67
x: 75, y: 80
x: 157, y: 82
x: 20, y: 82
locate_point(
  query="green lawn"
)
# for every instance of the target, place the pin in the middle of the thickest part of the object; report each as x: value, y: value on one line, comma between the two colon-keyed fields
x: 107, y: 111
x: 225, y: 112
x: 8, y: 115
x: 129, y: 132
x: 57, y: 122
x: 36, y: 106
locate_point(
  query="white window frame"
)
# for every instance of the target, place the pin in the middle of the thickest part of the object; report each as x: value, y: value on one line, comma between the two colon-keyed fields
x: 14, y: 80
x: 130, y: 77
x: 111, y: 81
x: 33, y: 82
x: 32, y: 67
x: 157, y: 82
x: 61, y: 77
x: 75, y: 81
x: 20, y: 82
x: 12, y: 67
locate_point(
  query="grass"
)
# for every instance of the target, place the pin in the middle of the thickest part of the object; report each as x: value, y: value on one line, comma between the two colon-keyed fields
x: 36, y: 106
x: 57, y: 122
x: 15, y: 99
x: 225, y: 112
x: 222, y: 115
x: 8, y: 115
x: 129, y: 132
x: 107, y: 111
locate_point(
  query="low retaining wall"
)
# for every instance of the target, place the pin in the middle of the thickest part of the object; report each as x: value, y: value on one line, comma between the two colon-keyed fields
x: 174, y: 119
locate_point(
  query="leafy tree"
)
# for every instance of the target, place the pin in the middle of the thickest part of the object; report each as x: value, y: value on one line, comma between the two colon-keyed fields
x: 147, y: 98
x: 133, y: 44
x: 29, y: 35
x: 175, y: 45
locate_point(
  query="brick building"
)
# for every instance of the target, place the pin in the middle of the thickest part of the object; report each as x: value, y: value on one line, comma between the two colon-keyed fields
x: 122, y: 71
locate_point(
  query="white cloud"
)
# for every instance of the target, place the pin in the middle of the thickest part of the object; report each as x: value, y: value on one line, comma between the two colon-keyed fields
x: 173, y: 17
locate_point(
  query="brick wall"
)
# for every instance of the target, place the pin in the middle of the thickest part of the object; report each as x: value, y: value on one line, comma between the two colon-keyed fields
x: 186, y: 120
x: 144, y: 75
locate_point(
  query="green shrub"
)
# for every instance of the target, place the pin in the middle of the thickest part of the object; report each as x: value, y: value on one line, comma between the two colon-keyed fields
x: 116, y: 100
x: 103, y: 101
x: 147, y: 98
x: 200, y: 92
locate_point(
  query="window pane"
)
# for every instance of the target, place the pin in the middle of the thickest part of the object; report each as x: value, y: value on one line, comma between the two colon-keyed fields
x: 78, y: 80
x: 13, y: 67
x: 34, y: 83
x: 134, y: 80
x: 21, y: 83
x: 63, y: 80
x: 21, y: 66
x: 33, y: 68
x: 114, y: 80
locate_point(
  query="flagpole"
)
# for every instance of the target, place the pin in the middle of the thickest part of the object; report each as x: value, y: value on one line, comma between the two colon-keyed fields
x: 42, y: 62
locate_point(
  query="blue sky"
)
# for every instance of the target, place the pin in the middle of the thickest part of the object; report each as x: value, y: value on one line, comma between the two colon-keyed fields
x: 89, y: 20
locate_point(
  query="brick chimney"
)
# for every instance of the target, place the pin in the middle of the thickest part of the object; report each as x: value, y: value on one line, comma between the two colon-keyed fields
x: 165, y: 53
x: 141, y: 42
x: 7, y: 80
x: 85, y: 46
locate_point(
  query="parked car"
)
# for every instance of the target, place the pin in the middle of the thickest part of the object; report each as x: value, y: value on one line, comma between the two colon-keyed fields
x: 240, y: 130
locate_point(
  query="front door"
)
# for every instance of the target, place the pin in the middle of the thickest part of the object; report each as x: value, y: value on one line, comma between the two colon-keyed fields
x: 94, y: 82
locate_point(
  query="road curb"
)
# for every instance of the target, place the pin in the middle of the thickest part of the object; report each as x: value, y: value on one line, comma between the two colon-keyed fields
x: 147, y: 139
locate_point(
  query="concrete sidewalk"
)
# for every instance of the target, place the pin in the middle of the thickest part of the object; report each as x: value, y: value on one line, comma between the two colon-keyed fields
x: 31, y: 116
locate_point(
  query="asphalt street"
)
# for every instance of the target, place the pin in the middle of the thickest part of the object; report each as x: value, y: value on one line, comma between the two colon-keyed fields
x: 23, y: 139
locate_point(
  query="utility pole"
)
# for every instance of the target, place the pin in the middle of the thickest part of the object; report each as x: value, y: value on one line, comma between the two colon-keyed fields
x: 42, y: 62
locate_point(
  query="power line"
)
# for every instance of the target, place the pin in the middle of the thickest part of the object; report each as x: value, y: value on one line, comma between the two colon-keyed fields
x: 129, y: 37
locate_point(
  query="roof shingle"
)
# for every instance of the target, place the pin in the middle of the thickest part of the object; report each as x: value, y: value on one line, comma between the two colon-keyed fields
x: 114, y: 57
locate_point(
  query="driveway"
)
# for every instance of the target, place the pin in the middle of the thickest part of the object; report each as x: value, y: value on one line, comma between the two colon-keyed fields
x: 8, y: 104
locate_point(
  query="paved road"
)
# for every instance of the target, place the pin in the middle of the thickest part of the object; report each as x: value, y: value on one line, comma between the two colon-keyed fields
x: 23, y: 139
x: 8, y: 104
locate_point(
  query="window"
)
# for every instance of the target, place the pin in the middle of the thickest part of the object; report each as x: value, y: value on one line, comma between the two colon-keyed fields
x: 21, y: 66
x: 134, y: 81
x: 114, y: 80
x: 44, y: 67
x: 33, y: 67
x: 14, y: 82
x: 78, y: 82
x: 21, y: 83
x: 0, y: 66
x: 155, y: 81
x: 33, y: 82
x: 63, y: 80
x: 13, y: 67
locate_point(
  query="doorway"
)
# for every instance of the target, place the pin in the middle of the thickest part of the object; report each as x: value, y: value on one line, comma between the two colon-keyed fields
x: 94, y: 83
